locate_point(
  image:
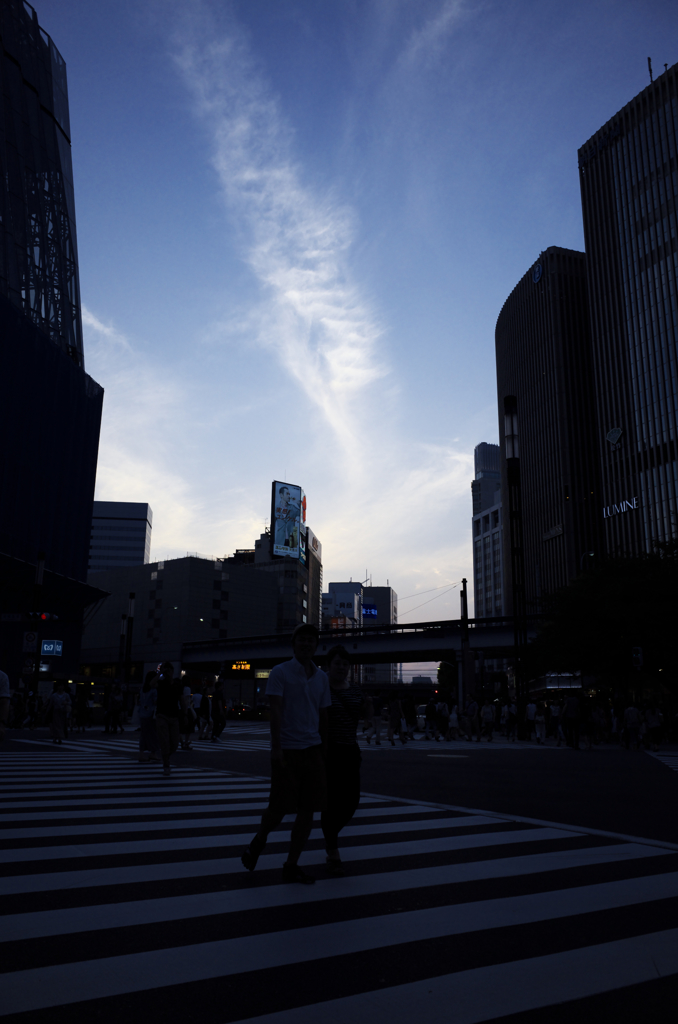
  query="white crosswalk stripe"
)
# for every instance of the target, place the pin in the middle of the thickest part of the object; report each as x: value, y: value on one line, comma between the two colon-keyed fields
x: 670, y: 760
x: 441, y: 907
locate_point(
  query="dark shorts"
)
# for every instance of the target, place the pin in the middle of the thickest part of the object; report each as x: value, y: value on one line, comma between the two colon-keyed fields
x: 299, y: 783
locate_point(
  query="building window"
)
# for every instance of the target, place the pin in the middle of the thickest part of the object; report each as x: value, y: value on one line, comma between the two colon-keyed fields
x: 476, y: 527
x: 486, y: 524
x: 495, y: 519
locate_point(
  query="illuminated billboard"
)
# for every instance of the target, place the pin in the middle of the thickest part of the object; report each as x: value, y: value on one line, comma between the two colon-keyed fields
x: 288, y: 519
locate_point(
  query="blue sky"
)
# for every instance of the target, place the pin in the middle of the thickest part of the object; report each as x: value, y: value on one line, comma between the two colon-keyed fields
x: 297, y: 224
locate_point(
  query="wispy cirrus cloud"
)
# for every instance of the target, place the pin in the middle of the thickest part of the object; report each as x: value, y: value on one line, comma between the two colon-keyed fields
x: 295, y: 239
x: 426, y: 43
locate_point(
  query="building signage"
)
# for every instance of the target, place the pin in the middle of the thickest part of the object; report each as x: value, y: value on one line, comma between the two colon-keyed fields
x: 240, y: 666
x: 369, y: 611
x: 536, y: 273
x: 53, y: 647
x: 30, y: 643
x: 288, y: 516
x: 623, y: 506
x: 313, y: 544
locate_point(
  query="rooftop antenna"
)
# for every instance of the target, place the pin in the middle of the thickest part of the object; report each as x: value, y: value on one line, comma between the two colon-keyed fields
x: 649, y: 67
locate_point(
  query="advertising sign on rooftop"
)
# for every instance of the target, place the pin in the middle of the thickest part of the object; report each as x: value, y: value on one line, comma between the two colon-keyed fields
x: 313, y: 544
x: 288, y: 518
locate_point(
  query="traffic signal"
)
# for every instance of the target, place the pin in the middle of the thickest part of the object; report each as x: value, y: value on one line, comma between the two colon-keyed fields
x: 637, y: 653
x: 43, y: 616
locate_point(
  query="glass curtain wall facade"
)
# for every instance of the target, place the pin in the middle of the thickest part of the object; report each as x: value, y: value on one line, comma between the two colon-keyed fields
x: 50, y: 410
x: 629, y: 186
x: 488, y: 568
x: 121, y: 534
x: 38, y: 248
x: 550, y: 491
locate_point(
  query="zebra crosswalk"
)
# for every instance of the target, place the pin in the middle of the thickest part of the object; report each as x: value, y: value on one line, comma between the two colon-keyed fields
x: 670, y: 760
x: 123, y: 895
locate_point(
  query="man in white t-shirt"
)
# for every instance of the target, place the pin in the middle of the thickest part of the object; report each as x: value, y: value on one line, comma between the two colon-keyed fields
x: 4, y: 703
x: 299, y: 696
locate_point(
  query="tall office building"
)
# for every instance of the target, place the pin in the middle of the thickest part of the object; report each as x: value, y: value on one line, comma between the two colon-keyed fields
x: 488, y: 568
x: 380, y: 608
x: 121, y: 534
x: 547, y: 424
x: 50, y: 410
x: 629, y: 189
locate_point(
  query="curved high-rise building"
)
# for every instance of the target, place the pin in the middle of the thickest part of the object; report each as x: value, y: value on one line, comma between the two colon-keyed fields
x: 629, y: 187
x: 547, y: 429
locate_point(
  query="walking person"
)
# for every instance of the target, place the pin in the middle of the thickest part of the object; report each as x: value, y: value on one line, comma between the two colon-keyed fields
x: 167, y: 714
x: 654, y: 720
x: 443, y: 719
x: 116, y: 705
x: 187, y: 718
x: 375, y: 722
x: 410, y: 713
x: 430, y: 720
x: 218, y: 713
x: 4, y: 703
x: 571, y: 722
x: 530, y: 715
x: 472, y: 725
x: 453, y: 727
x: 632, y: 723
x: 511, y: 722
x: 342, y: 755
x: 59, y: 705
x: 205, y: 715
x: 555, y: 711
x: 487, y: 716
x: 395, y: 721
x: 299, y: 696
x: 540, y: 723
x: 148, y: 737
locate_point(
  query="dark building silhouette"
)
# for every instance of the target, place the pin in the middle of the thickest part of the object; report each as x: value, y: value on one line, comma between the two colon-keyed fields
x: 176, y: 601
x: 629, y: 186
x: 121, y: 534
x: 547, y: 428
x: 50, y: 410
x: 488, y: 562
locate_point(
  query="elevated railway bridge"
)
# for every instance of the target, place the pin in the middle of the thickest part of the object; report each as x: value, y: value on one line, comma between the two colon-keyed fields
x: 445, y: 640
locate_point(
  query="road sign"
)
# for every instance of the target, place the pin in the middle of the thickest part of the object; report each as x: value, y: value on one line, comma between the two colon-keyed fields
x: 53, y: 647
x: 30, y: 643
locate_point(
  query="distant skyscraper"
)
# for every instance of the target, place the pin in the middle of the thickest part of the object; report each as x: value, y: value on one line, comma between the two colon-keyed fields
x: 380, y: 608
x: 550, y: 491
x: 121, y: 535
x: 50, y: 410
x: 629, y: 189
x: 488, y: 569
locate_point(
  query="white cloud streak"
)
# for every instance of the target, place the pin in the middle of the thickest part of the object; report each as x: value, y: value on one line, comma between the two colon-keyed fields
x: 426, y: 43
x: 313, y: 314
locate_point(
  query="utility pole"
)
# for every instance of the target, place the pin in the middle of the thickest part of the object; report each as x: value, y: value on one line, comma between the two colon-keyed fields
x: 37, y: 606
x: 464, y: 663
x: 130, y: 633
x: 121, y: 649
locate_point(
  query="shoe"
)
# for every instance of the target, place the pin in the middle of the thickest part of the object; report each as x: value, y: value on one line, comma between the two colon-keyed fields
x: 293, y: 873
x: 368, y: 738
x: 393, y: 743
x: 249, y: 858
x: 378, y: 743
x: 166, y: 771
x: 335, y: 867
